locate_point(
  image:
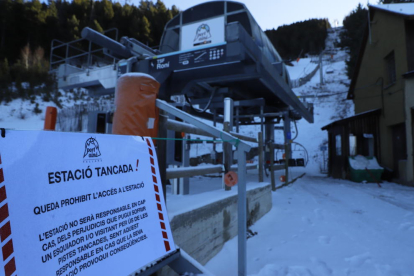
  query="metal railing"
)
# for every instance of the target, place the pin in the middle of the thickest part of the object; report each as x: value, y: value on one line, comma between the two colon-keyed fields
x: 242, y: 149
x: 73, y: 54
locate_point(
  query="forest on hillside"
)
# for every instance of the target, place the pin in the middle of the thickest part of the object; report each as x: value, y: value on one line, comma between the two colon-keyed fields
x: 307, y: 37
x: 36, y: 24
x: 27, y: 29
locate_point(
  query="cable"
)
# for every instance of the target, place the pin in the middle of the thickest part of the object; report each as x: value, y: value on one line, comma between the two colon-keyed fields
x: 208, y: 104
x: 297, y: 132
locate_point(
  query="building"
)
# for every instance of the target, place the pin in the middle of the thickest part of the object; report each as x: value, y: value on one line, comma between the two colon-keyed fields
x: 382, y: 89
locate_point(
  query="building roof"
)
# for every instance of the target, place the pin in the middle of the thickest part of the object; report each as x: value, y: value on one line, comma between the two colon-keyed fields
x: 355, y: 117
x: 405, y: 10
x: 409, y: 75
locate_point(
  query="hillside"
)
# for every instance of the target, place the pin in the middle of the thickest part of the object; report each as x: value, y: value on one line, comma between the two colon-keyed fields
x: 329, y: 100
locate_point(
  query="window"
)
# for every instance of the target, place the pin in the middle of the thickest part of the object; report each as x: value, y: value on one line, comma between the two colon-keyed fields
x: 338, y: 145
x: 391, y: 75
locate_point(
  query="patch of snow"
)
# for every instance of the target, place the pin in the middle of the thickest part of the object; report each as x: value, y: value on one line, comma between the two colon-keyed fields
x: 360, y: 162
x: 301, y: 68
x: 129, y: 75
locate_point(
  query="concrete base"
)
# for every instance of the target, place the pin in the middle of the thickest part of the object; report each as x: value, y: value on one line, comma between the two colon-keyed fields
x: 202, y: 232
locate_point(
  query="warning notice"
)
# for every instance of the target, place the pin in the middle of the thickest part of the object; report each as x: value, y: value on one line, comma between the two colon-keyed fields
x: 74, y: 203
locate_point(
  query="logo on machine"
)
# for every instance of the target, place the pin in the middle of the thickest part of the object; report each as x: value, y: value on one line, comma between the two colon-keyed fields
x: 162, y: 63
x: 91, y: 148
x: 202, y: 35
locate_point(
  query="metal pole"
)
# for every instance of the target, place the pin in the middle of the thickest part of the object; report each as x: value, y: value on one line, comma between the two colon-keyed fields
x: 241, y: 211
x: 227, y: 127
x: 89, y: 57
x: 161, y: 150
x: 185, y: 181
x: 261, y: 159
x: 288, y: 145
x: 262, y: 119
x: 272, y: 163
x: 214, y: 144
x: 237, y: 120
x: 321, y: 67
x: 269, y: 138
x: 227, y: 154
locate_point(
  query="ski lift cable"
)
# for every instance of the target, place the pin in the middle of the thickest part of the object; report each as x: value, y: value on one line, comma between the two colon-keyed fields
x: 297, y: 132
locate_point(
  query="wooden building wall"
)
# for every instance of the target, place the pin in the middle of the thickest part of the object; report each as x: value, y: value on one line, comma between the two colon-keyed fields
x: 360, y: 126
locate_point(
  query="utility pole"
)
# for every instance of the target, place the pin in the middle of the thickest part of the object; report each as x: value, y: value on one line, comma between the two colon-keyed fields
x: 321, y: 67
x: 227, y: 147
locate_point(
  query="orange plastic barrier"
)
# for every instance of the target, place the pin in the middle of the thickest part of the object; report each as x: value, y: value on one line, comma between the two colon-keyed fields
x: 231, y: 179
x: 135, y: 110
x: 50, y: 118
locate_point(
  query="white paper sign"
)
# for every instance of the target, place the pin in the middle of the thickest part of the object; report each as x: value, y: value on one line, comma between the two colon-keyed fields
x: 80, y: 204
x: 202, y: 33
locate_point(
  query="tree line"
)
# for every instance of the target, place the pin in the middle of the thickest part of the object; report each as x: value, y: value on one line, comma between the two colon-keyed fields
x: 351, y: 37
x: 307, y: 37
x: 36, y: 24
x: 28, y: 27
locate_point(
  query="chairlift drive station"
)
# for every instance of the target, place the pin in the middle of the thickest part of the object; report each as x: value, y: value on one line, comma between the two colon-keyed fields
x: 207, y: 52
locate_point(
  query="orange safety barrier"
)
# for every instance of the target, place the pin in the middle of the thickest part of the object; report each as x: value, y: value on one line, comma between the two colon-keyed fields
x: 50, y: 118
x: 135, y: 110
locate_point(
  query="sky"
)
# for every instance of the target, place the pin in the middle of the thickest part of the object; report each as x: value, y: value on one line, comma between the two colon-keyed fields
x: 271, y: 14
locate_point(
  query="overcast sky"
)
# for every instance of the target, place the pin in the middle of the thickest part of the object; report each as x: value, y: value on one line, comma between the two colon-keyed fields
x: 271, y: 14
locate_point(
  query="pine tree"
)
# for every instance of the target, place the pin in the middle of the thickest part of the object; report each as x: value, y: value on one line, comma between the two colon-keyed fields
x: 351, y: 38
x: 73, y: 25
x: 108, y: 10
x: 97, y: 27
x: 5, y: 9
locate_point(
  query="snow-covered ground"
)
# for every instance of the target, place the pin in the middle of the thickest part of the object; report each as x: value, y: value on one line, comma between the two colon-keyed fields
x: 318, y: 226
x: 301, y: 68
x: 18, y: 114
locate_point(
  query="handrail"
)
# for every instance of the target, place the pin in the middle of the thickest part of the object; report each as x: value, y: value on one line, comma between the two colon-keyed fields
x: 218, y: 133
x: 242, y: 148
x: 188, y: 128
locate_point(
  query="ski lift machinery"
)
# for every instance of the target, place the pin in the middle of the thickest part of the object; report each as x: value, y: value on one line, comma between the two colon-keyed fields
x: 209, y: 52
